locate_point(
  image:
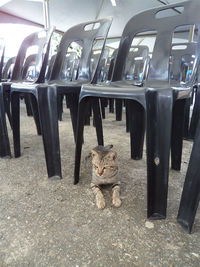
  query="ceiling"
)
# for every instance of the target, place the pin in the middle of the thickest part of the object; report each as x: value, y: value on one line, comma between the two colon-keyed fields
x: 66, y: 13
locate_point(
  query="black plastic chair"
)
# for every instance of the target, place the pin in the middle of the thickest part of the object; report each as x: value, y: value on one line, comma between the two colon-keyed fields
x: 156, y: 97
x: 181, y: 70
x: 46, y: 94
x: 191, y: 189
x: 41, y: 40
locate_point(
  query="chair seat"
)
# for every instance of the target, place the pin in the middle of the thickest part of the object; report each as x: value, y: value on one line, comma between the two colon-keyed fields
x: 64, y: 86
x: 24, y: 86
x: 119, y: 89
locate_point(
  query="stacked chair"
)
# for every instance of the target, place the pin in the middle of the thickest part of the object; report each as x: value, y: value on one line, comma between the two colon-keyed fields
x: 155, y: 99
x: 46, y: 95
x: 41, y: 40
x: 181, y: 68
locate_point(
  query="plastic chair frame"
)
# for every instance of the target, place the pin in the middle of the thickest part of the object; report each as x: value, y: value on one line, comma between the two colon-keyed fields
x: 155, y: 99
x: 46, y: 95
x: 42, y: 40
x: 181, y: 58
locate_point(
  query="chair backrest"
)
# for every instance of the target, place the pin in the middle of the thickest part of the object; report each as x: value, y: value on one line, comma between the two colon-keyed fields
x: 103, y: 66
x: 49, y: 67
x: 137, y: 63
x: 70, y: 66
x: 85, y: 37
x: 29, y: 68
x: 182, y: 63
x: 2, y: 50
x: 159, y: 20
x: 8, y: 68
x: 111, y: 64
x: 39, y: 41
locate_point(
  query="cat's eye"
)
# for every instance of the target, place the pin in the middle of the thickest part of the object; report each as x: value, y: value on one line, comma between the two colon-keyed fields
x: 95, y: 166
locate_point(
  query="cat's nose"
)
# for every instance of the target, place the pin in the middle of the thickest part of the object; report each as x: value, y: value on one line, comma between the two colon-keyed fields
x: 100, y: 172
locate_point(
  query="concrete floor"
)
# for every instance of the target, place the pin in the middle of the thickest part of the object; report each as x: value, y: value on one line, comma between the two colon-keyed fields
x: 56, y: 223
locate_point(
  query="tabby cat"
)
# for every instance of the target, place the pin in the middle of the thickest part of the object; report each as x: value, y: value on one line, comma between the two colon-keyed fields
x: 105, y: 171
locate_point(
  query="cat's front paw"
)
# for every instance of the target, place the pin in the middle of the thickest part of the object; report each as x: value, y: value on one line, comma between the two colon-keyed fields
x: 116, y: 202
x: 100, y: 203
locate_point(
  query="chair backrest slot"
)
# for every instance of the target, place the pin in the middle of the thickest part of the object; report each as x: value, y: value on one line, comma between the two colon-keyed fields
x: 85, y: 35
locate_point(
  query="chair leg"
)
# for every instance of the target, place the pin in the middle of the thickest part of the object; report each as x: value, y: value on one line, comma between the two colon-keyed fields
x: 195, y: 114
x: 83, y: 107
x: 4, y: 141
x: 60, y: 106
x: 159, y: 113
x: 111, y: 105
x: 34, y: 108
x: 88, y: 115
x: 28, y: 105
x: 15, y: 107
x: 98, y: 120
x: 191, y: 190
x: 73, y: 106
x: 6, y: 97
x: 127, y: 117
x: 47, y: 105
x: 137, y: 128
x: 118, y: 103
x: 102, y: 108
x: 177, y: 134
x: 186, y: 119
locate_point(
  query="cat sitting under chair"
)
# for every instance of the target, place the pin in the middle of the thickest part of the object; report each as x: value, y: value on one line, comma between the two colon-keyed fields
x: 105, y: 171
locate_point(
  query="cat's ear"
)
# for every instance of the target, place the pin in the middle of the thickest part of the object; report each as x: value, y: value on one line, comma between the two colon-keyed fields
x: 94, y: 153
x: 112, y: 155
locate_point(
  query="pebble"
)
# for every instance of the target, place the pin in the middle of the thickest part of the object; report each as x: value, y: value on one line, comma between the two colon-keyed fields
x: 149, y: 225
x: 195, y: 254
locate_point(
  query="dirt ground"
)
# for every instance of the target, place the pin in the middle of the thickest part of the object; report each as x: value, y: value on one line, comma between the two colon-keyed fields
x: 56, y: 223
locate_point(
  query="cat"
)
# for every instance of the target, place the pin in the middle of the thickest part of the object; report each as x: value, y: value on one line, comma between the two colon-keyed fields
x: 105, y: 171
